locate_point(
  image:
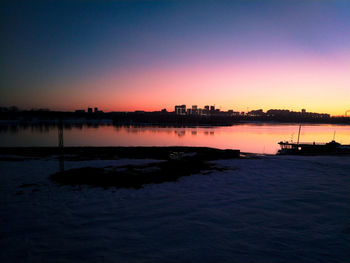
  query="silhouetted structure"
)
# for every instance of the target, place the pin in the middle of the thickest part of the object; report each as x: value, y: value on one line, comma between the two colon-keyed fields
x: 302, y: 114
x: 332, y: 147
x: 60, y: 133
x: 179, y: 117
x: 256, y: 113
x: 180, y: 110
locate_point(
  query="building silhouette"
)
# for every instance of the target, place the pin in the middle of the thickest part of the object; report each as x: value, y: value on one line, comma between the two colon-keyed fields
x: 180, y: 109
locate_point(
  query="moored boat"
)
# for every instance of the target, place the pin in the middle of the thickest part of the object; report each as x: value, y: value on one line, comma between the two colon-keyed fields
x: 332, y: 147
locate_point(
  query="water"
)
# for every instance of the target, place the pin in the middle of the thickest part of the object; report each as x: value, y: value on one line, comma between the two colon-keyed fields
x: 257, y: 138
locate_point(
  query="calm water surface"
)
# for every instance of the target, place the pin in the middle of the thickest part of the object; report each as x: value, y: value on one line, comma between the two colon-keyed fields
x: 258, y: 138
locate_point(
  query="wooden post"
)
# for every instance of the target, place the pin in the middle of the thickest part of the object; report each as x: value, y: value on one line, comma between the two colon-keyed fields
x: 60, y: 145
x: 299, y: 133
x: 60, y: 133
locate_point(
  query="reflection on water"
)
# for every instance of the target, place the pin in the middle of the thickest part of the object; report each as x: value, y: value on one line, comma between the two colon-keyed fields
x: 259, y: 138
x: 44, y: 127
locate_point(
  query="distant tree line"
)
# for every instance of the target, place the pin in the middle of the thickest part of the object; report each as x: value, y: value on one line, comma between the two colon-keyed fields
x: 13, y: 114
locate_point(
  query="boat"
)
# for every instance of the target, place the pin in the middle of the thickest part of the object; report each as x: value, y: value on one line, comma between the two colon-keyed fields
x: 313, y: 148
x: 332, y: 147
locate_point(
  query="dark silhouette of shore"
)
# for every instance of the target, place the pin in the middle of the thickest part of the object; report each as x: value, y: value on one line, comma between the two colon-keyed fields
x: 162, y: 118
x: 133, y: 176
x: 88, y: 153
x: 171, y: 163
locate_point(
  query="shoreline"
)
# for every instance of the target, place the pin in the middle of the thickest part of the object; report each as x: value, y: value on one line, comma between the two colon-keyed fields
x: 102, y: 122
x: 136, y: 152
x: 171, y: 164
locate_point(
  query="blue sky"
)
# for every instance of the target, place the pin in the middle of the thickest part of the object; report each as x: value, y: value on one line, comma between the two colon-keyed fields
x: 45, y: 44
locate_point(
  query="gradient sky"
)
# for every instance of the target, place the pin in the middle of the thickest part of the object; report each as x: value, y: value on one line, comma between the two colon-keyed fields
x: 148, y: 55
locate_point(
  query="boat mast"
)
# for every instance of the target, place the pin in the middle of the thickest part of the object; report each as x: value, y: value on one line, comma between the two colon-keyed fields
x: 299, y: 133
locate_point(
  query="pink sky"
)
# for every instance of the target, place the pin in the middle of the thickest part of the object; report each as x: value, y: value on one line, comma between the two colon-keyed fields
x: 314, y: 83
x: 149, y: 55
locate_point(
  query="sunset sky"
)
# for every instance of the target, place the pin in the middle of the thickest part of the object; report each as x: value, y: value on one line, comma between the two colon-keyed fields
x: 149, y: 55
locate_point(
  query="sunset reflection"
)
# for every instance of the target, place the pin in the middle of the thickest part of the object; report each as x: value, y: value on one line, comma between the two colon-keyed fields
x: 262, y: 138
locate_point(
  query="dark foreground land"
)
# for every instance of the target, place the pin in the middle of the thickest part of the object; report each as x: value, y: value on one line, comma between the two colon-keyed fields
x: 162, y: 153
x: 274, y: 209
x: 174, y: 162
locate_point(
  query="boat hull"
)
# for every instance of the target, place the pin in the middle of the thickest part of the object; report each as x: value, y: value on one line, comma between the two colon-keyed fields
x: 331, y: 148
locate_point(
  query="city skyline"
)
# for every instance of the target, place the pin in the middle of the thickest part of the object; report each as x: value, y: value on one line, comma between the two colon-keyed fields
x: 145, y: 55
x: 183, y: 110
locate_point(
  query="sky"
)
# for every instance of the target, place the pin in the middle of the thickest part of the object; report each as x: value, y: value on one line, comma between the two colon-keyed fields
x: 149, y: 55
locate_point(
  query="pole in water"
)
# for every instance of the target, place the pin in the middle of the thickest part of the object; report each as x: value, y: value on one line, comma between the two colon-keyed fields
x: 60, y: 133
x: 299, y: 133
x: 60, y: 145
x: 334, y: 135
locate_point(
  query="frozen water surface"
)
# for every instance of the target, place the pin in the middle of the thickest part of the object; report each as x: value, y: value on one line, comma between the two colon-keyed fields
x: 271, y: 209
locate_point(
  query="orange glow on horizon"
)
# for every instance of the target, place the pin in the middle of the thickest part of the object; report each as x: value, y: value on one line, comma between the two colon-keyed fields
x: 316, y: 84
